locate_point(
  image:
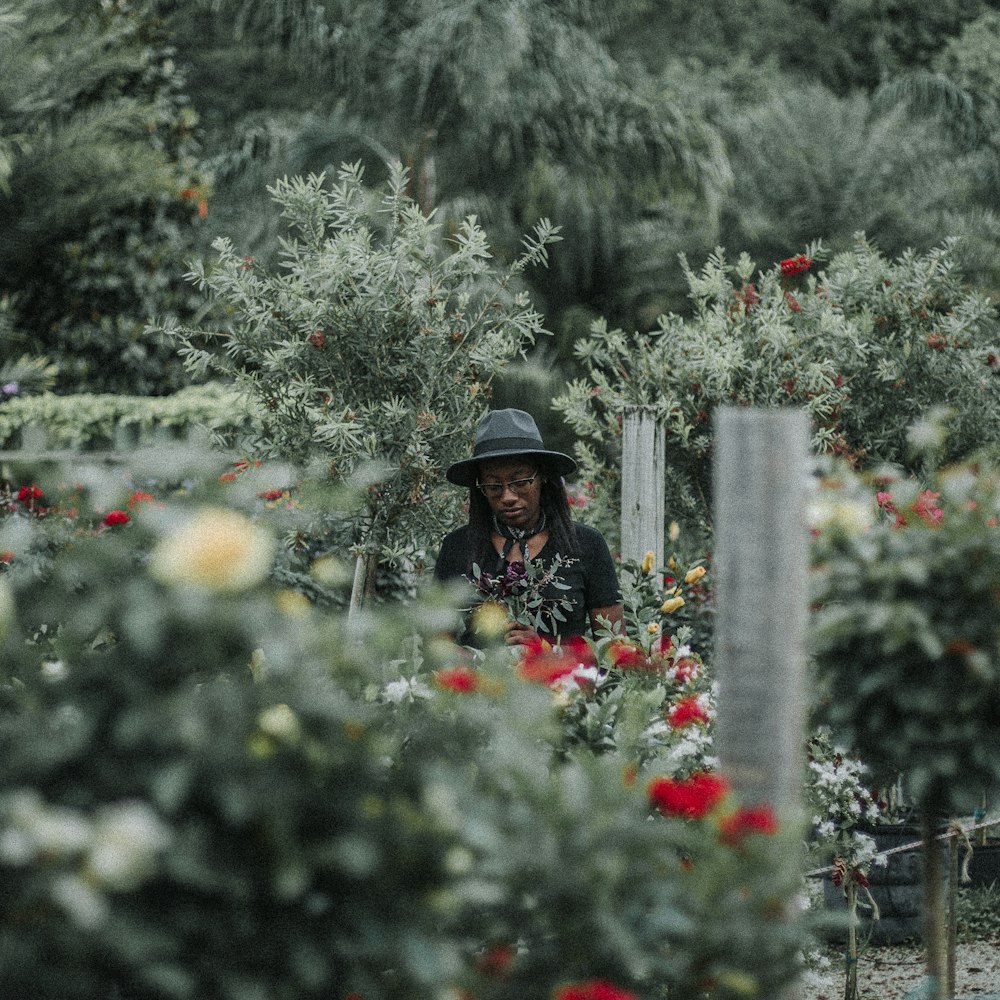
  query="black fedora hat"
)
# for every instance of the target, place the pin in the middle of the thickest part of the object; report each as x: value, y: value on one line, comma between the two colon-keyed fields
x: 503, y: 434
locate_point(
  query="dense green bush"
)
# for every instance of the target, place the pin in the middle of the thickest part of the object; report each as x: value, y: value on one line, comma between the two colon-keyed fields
x: 208, y: 790
x: 866, y: 346
x: 371, y: 351
x: 89, y: 421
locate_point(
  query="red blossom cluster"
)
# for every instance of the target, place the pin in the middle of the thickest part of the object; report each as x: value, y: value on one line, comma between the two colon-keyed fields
x: 738, y: 825
x: 702, y: 793
x: 462, y: 679
x: 543, y: 663
x: 795, y: 265
x: 594, y: 989
x: 925, y: 507
x: 692, y: 797
x: 114, y: 518
x: 687, y: 712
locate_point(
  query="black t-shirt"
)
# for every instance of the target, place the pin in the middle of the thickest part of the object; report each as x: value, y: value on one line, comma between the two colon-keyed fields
x: 591, y: 576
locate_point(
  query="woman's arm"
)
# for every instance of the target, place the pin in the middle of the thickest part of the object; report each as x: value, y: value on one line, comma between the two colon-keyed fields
x: 614, y: 613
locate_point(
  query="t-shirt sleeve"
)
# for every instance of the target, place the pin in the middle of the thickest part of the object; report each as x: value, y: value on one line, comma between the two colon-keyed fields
x: 601, y: 586
x: 452, y: 559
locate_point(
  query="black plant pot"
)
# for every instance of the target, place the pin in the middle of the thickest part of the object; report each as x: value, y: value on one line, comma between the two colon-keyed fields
x: 984, y: 865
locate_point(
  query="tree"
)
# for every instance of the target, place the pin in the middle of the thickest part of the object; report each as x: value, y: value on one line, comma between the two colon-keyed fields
x: 372, y: 354
x: 98, y: 190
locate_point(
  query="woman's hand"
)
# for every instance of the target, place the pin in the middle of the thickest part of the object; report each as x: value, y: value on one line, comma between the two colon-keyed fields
x: 519, y: 634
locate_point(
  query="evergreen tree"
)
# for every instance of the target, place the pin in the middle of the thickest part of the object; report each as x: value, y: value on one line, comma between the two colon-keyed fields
x: 99, y: 190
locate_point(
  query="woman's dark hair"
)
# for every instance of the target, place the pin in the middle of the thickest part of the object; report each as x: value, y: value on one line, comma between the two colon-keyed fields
x: 555, y: 506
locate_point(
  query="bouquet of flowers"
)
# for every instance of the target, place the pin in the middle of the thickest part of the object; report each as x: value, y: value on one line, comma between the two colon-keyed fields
x: 527, y: 593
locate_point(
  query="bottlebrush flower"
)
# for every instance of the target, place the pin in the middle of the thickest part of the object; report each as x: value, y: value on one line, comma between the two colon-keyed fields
x: 735, y: 827
x: 692, y: 797
x: 795, y: 265
x: 687, y: 712
x: 28, y: 494
x: 114, y: 518
x: 625, y: 656
x: 462, y: 679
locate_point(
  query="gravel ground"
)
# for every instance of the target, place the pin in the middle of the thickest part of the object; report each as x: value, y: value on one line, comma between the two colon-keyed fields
x: 890, y: 973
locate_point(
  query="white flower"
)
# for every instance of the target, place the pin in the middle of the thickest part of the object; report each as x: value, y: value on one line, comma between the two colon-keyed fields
x: 403, y: 690
x: 82, y: 902
x: 280, y: 722
x: 126, y: 839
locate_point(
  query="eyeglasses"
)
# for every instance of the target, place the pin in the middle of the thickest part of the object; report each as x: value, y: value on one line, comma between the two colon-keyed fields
x: 493, y: 491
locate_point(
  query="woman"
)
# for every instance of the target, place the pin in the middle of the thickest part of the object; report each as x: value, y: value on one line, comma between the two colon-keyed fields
x: 519, y: 513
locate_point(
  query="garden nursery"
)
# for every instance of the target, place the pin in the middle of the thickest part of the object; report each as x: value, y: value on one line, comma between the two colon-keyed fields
x: 292, y: 293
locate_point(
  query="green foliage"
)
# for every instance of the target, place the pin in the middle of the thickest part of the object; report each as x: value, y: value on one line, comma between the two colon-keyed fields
x: 867, y: 348
x: 374, y: 347
x: 91, y: 421
x: 96, y: 154
x: 207, y: 790
x: 905, y: 637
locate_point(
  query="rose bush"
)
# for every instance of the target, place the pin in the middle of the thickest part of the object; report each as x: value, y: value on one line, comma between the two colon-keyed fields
x: 210, y: 789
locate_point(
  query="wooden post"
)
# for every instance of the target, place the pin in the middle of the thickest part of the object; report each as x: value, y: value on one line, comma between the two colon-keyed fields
x: 952, y: 968
x: 643, y: 470
x: 761, y: 565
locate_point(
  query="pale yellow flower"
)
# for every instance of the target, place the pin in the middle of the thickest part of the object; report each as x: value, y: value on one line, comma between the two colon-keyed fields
x: 652, y: 628
x: 667, y: 607
x: 647, y: 562
x: 490, y: 620
x: 674, y: 531
x: 695, y: 574
x: 216, y: 548
x: 293, y: 603
x: 279, y: 722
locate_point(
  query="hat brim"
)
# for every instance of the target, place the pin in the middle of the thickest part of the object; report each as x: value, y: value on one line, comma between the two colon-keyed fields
x: 464, y: 473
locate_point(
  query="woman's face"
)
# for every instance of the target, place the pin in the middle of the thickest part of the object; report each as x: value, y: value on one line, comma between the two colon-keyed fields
x: 513, y: 489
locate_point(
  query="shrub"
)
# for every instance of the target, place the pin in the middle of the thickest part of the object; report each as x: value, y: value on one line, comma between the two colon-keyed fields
x: 373, y: 349
x: 866, y: 347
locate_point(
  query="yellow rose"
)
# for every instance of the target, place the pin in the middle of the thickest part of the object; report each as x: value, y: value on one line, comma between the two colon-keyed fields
x: 695, y: 574
x: 674, y: 531
x: 652, y: 628
x: 647, y: 562
x: 216, y: 548
x: 667, y: 607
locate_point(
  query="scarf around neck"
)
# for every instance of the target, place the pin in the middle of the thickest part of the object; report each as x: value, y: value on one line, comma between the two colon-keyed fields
x: 516, y: 535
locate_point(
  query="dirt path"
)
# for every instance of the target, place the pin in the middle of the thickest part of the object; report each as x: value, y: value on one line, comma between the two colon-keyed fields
x: 890, y: 973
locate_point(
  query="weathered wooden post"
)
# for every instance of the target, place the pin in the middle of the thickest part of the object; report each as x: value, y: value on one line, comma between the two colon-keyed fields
x: 761, y: 567
x: 761, y: 577
x: 643, y: 471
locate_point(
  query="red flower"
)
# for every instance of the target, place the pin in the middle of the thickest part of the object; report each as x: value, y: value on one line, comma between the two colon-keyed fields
x: 137, y: 497
x: 462, y: 679
x: 28, y: 494
x: 317, y: 338
x: 746, y: 820
x: 6, y: 556
x: 227, y: 477
x: 625, y: 656
x: 495, y: 960
x: 115, y: 517
x: 693, y: 797
x: 795, y: 265
x: 271, y: 494
x: 793, y: 302
x: 926, y: 508
x: 543, y: 664
x: 686, y: 712
x: 594, y: 989
x: 685, y: 669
